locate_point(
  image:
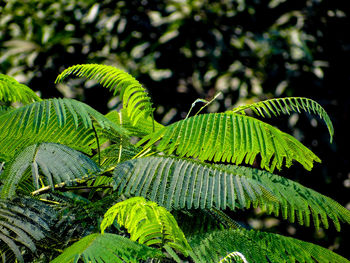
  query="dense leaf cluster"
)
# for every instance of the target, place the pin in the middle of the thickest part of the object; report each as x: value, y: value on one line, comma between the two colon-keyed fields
x: 64, y: 163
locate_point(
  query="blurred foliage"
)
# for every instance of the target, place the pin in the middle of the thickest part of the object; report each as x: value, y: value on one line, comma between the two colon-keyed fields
x: 181, y: 50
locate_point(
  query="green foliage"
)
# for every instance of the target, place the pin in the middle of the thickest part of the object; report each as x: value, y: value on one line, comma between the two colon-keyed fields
x: 259, y: 247
x: 136, y: 101
x: 280, y: 106
x: 12, y: 91
x: 147, y: 223
x: 142, y: 127
x: 230, y: 137
x: 57, y: 163
x: 234, y: 257
x: 181, y: 51
x: 64, y: 121
x: 295, y: 200
x: 58, y: 143
x: 179, y: 183
x: 23, y: 223
x: 106, y: 248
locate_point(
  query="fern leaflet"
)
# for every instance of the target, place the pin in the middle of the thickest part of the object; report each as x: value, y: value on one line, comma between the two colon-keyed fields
x: 295, y: 200
x: 230, y: 137
x: 63, y: 121
x: 142, y: 127
x: 147, y: 223
x: 106, y: 248
x: 179, y: 183
x: 259, y: 247
x: 280, y: 106
x: 135, y: 98
x: 23, y: 222
x: 12, y: 91
x: 58, y: 163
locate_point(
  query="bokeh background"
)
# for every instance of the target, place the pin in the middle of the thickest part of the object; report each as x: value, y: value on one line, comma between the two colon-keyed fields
x: 182, y: 50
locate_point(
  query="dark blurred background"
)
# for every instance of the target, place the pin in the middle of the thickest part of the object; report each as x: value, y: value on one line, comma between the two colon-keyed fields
x: 182, y: 50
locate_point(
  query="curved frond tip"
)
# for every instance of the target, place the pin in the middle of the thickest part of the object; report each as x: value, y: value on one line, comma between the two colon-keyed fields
x: 279, y: 106
x: 13, y: 91
x: 135, y: 98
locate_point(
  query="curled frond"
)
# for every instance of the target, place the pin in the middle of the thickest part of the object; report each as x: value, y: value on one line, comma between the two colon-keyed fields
x: 179, y: 183
x: 148, y: 223
x: 259, y: 247
x: 23, y: 222
x: 279, y: 106
x: 56, y: 163
x: 64, y: 121
x: 135, y: 98
x: 230, y: 137
x: 106, y: 248
x: 13, y: 91
x: 234, y: 257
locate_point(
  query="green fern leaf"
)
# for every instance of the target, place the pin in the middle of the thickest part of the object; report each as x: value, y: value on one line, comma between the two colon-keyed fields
x: 135, y: 98
x: 147, y: 223
x: 63, y: 121
x: 197, y: 221
x: 12, y: 91
x: 230, y: 137
x: 57, y: 163
x: 296, y: 201
x: 259, y: 247
x: 280, y: 106
x: 4, y: 109
x: 141, y: 128
x: 179, y: 183
x: 114, y: 154
x: 23, y: 222
x: 106, y: 248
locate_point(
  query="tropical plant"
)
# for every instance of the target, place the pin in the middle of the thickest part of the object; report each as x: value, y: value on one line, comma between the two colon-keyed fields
x: 79, y: 186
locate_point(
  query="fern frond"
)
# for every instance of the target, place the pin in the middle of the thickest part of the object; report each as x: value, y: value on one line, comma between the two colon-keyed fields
x: 230, y: 137
x: 64, y: 121
x: 141, y: 128
x: 106, y: 248
x: 114, y: 154
x: 57, y: 163
x: 198, y: 221
x: 135, y: 98
x: 279, y: 106
x: 259, y: 247
x: 234, y: 257
x: 4, y: 109
x: 295, y: 200
x: 23, y: 222
x: 147, y: 223
x: 12, y: 91
x: 179, y: 183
